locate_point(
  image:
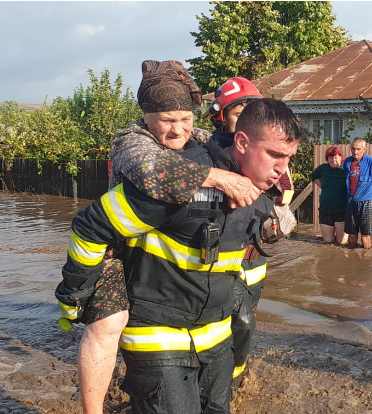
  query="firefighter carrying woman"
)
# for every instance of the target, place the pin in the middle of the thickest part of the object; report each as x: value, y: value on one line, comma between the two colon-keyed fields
x: 182, y: 261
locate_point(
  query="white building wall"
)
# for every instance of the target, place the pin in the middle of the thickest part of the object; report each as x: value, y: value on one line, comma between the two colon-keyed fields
x: 327, y: 114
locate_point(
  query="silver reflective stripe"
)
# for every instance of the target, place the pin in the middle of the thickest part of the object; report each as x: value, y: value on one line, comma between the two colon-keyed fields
x: 84, y: 252
x: 207, y: 194
x: 121, y: 215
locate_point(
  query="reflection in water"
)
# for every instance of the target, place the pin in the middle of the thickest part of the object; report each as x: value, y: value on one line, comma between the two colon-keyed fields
x: 307, y: 283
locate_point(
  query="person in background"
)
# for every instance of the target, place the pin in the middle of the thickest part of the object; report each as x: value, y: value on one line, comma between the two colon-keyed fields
x: 229, y: 101
x: 330, y: 177
x: 358, y: 216
x: 146, y: 154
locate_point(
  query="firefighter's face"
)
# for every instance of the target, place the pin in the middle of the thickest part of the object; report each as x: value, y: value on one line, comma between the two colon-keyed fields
x: 265, y: 159
x: 231, y: 117
x: 172, y: 129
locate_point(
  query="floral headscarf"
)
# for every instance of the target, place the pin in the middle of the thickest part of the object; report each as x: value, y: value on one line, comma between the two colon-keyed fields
x: 167, y: 86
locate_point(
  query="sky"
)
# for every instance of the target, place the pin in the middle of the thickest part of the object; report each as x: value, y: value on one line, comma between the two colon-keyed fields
x: 47, y: 47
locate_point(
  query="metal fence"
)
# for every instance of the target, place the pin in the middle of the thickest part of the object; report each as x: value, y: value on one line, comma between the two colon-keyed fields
x: 23, y: 176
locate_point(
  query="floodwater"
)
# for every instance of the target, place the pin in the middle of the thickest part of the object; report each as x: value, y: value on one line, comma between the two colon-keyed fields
x: 312, y: 284
x: 308, y: 284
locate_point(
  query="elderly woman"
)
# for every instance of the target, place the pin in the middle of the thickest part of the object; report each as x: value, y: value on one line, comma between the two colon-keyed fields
x: 330, y: 177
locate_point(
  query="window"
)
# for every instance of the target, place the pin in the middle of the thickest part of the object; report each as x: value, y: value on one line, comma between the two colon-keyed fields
x: 329, y: 129
x: 337, y: 130
x: 316, y: 126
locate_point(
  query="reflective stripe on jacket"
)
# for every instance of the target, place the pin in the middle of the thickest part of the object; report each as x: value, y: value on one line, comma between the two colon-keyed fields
x: 162, y: 338
x: 253, y: 276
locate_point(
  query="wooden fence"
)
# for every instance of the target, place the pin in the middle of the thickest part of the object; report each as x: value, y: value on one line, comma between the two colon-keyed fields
x: 90, y: 182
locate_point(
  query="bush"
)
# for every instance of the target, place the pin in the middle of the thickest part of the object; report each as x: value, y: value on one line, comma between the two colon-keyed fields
x: 75, y: 128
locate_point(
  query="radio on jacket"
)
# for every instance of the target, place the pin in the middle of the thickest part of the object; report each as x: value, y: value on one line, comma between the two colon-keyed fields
x: 209, y: 242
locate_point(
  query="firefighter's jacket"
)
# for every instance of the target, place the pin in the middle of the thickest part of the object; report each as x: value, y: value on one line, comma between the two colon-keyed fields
x: 166, y: 280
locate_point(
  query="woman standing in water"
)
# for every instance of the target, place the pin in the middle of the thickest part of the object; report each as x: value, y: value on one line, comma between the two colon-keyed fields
x: 330, y: 177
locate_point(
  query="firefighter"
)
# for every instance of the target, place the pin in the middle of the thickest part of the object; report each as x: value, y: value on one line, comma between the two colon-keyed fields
x: 141, y: 154
x: 182, y: 265
x: 229, y: 101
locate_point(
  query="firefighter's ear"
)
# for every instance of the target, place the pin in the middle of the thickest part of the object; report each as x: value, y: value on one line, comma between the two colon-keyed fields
x: 241, y: 140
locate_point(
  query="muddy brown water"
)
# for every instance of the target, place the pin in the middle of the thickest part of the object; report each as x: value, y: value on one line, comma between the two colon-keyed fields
x: 308, y: 284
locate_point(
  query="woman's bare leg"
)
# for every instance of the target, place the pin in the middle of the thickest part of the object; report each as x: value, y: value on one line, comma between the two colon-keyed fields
x: 328, y: 233
x: 97, y: 358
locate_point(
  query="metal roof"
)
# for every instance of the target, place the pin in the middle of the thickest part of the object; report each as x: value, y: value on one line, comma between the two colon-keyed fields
x: 344, y: 74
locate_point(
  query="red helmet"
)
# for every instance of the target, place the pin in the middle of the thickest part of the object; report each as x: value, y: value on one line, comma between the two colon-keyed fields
x: 231, y: 93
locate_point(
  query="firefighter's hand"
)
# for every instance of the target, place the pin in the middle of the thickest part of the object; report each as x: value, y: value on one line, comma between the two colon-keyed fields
x: 240, y: 190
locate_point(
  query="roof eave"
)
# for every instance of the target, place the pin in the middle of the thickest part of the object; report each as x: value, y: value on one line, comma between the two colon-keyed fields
x: 330, y: 106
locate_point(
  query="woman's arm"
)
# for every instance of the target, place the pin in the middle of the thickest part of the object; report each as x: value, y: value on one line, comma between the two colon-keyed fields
x: 158, y: 172
x: 163, y: 174
x: 318, y: 182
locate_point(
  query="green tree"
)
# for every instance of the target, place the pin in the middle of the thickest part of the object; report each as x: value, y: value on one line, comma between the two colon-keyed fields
x: 10, y: 116
x: 255, y: 38
x: 69, y: 129
x: 45, y: 135
x: 100, y: 111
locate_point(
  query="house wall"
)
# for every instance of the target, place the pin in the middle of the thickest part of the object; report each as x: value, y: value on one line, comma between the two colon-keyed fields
x: 360, y: 129
x: 329, y: 113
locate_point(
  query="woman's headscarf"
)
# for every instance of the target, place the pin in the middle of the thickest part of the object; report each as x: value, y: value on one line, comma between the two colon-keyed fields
x: 167, y: 86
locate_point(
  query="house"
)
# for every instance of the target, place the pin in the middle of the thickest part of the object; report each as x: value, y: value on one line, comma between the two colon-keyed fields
x: 325, y: 91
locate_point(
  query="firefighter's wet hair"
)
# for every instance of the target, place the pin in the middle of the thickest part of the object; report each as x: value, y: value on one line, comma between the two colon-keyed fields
x: 259, y: 113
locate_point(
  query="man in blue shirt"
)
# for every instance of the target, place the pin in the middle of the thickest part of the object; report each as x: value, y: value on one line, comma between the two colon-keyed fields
x: 358, y: 216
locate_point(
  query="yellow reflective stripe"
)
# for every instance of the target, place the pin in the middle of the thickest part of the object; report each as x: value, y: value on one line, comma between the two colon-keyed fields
x: 185, y: 257
x: 210, y: 335
x: 238, y: 370
x: 84, y: 252
x: 121, y: 215
x: 69, y: 312
x: 160, y: 338
x: 154, y: 339
x: 287, y: 196
x: 253, y: 276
